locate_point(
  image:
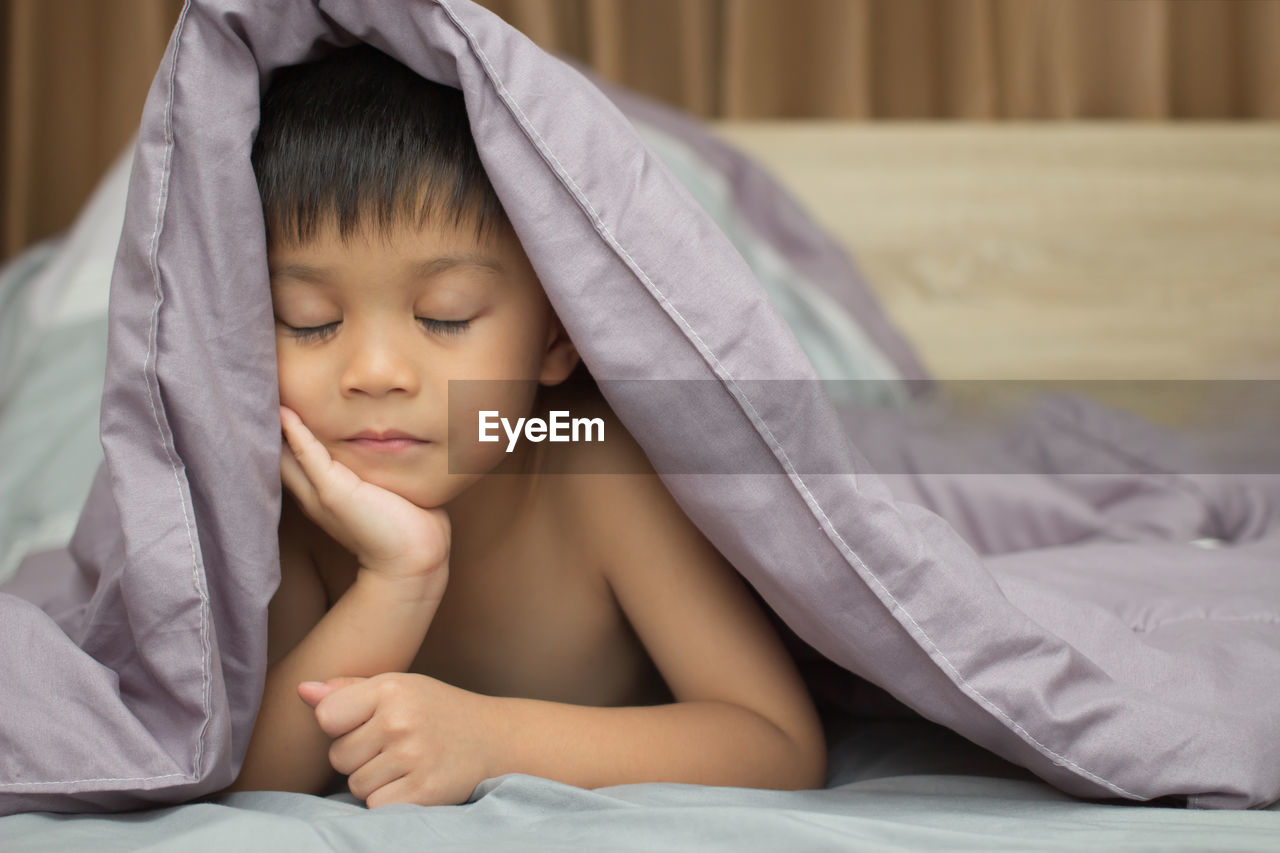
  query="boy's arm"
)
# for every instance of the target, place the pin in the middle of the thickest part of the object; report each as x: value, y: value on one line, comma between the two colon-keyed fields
x: 375, y: 627
x: 691, y: 742
x: 743, y: 716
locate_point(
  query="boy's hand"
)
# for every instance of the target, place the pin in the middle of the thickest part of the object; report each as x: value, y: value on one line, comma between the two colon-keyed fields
x: 405, y: 738
x: 390, y: 536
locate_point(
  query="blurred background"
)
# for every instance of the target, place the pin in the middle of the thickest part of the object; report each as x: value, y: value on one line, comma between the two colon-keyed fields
x: 76, y: 72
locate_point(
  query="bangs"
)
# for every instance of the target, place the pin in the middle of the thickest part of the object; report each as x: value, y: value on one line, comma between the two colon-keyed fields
x: 377, y: 204
x: 359, y: 141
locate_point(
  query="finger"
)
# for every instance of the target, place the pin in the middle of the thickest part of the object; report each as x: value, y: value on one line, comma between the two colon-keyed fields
x: 374, y: 777
x: 312, y: 692
x: 354, y: 750
x: 330, y: 479
x: 400, y: 790
x: 309, y: 452
x: 345, y: 709
x: 296, y: 481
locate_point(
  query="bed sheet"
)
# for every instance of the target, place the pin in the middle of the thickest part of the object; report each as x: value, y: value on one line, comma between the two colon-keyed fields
x: 892, y: 785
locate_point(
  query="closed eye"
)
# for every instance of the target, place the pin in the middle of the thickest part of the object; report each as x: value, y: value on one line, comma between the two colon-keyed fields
x: 303, y: 334
x: 444, y: 327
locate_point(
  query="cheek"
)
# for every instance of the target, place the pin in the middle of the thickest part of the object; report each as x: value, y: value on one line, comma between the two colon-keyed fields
x: 296, y: 377
x: 500, y: 350
x: 512, y: 400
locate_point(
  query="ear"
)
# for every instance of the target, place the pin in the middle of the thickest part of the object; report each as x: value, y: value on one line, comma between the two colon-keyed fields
x: 561, y: 356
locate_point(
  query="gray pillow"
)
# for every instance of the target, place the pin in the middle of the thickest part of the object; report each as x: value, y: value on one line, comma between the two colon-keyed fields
x: 159, y: 630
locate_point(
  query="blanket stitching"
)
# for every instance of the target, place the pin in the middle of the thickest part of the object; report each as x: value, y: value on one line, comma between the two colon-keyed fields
x: 162, y: 205
x: 752, y: 415
x: 103, y: 779
x: 1265, y: 618
x: 147, y: 373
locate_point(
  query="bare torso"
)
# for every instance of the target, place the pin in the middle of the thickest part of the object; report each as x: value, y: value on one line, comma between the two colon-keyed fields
x: 534, y: 618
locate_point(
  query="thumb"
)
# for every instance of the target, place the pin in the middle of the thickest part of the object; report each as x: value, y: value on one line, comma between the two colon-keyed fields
x: 312, y: 692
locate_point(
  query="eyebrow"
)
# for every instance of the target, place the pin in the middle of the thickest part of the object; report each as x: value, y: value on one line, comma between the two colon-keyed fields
x: 420, y: 269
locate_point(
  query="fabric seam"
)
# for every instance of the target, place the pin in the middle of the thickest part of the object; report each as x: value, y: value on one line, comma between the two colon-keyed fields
x: 1263, y: 618
x: 154, y: 392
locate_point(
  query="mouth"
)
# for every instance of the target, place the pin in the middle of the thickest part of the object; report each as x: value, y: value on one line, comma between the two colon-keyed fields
x: 386, y: 441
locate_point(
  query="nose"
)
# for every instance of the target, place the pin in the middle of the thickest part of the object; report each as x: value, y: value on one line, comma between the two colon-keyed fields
x: 377, y: 367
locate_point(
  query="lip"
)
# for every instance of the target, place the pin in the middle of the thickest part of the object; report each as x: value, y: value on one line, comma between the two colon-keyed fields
x: 383, y: 435
x: 385, y: 441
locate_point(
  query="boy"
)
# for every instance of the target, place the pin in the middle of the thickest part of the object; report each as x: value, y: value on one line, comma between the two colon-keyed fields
x: 434, y: 628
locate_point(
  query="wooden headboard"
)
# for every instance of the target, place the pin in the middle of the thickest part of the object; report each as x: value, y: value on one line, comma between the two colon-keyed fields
x: 1054, y: 250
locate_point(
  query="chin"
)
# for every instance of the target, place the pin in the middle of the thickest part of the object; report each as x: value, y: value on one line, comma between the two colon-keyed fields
x: 416, y: 492
x: 421, y: 488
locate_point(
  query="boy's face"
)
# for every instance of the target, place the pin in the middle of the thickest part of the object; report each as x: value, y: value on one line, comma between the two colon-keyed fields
x: 370, y: 331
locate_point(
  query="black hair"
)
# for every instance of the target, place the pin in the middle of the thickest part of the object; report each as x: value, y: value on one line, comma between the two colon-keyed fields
x: 360, y: 140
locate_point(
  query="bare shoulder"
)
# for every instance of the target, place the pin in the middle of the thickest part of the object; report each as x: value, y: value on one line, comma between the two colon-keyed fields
x: 607, y: 447
x: 618, y: 499
x: 692, y: 610
x: 578, y: 478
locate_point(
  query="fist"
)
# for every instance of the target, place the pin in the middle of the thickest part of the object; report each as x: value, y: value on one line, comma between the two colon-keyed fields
x: 390, y: 536
x: 408, y: 738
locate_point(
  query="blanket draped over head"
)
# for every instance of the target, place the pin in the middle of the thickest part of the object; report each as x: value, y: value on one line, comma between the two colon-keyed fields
x: 1130, y: 670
